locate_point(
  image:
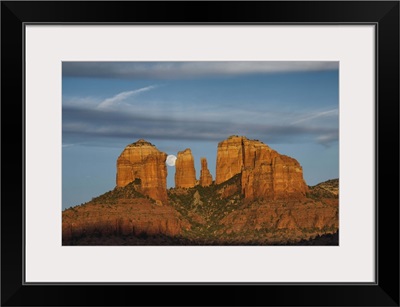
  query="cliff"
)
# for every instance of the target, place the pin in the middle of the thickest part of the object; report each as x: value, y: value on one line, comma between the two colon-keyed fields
x: 185, y: 174
x: 265, y: 173
x: 229, y: 159
x: 143, y: 162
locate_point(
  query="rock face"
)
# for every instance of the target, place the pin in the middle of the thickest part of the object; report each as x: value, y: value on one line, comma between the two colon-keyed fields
x: 143, y: 162
x: 205, y: 175
x: 265, y: 173
x: 185, y: 174
x: 229, y: 159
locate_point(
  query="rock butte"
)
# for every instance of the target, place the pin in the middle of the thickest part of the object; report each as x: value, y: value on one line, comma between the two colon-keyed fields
x: 264, y: 172
x: 205, y: 175
x: 142, y: 160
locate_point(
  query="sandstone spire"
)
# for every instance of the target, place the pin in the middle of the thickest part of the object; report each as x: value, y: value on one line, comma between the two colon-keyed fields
x: 185, y: 174
x: 143, y: 161
x: 205, y: 175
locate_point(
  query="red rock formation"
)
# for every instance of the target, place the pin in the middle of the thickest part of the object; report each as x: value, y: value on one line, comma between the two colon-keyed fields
x: 142, y: 160
x: 185, y: 174
x: 205, y: 175
x: 265, y: 173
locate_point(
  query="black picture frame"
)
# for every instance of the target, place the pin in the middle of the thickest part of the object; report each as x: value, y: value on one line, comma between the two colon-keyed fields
x: 383, y: 14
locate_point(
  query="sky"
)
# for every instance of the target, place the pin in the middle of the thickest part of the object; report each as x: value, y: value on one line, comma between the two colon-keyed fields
x: 293, y: 107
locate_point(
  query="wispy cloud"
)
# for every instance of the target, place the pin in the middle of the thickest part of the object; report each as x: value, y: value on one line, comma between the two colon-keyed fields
x: 115, y: 102
x: 83, y: 124
x: 172, y: 70
x: 326, y: 139
x: 315, y: 115
x: 116, y: 99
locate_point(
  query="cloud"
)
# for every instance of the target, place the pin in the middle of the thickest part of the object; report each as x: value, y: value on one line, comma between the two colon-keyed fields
x: 83, y: 125
x: 326, y: 139
x: 173, y: 70
x: 315, y: 115
x: 104, y: 104
x: 109, y: 102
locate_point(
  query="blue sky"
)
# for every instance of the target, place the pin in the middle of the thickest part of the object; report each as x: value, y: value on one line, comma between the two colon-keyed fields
x: 291, y: 106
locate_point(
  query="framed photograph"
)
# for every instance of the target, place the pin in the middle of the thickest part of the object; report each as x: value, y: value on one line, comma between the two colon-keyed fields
x: 240, y: 146
x: 243, y: 193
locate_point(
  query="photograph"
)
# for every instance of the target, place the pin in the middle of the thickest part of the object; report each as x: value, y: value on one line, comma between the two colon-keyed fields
x: 200, y: 153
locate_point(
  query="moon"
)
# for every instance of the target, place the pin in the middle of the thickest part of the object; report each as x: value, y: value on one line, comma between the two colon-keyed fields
x: 171, y: 160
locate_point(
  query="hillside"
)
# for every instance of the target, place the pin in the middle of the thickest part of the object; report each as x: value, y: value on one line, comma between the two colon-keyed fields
x: 326, y: 189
